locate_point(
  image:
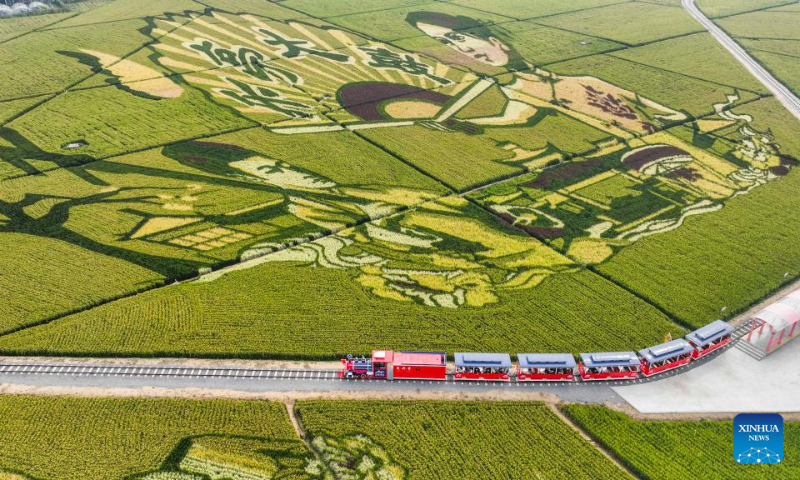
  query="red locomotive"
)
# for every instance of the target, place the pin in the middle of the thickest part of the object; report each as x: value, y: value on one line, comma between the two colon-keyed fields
x: 388, y: 365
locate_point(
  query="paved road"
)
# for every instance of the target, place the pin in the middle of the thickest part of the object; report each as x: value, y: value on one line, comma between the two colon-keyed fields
x: 783, y: 94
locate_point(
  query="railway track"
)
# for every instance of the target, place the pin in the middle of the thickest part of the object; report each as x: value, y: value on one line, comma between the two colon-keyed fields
x: 115, y: 370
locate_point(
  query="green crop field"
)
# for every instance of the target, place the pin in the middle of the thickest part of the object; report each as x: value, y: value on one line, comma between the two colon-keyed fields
x: 706, y: 60
x: 749, y: 252
x: 523, y: 9
x: 676, y: 90
x: 462, y: 174
x: 678, y: 449
x: 763, y: 24
x: 724, y: 8
x: 770, y: 35
x: 296, y: 180
x: 473, y: 277
x: 631, y: 23
x: 151, y: 439
x: 455, y: 440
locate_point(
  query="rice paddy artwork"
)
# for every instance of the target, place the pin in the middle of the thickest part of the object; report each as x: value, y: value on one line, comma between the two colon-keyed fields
x: 446, y: 178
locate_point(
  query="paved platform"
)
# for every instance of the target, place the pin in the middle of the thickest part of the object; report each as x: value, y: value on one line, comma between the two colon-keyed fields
x: 733, y: 383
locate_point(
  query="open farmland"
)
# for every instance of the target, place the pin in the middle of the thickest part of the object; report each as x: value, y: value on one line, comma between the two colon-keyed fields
x: 241, y: 188
x: 771, y: 36
x: 452, y: 276
x: 745, y: 250
x: 672, y: 450
x: 149, y: 439
x: 522, y: 9
x: 453, y: 440
x: 724, y: 8
x: 196, y: 135
x: 630, y: 23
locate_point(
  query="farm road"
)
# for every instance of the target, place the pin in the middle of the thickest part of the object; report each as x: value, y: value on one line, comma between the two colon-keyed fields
x: 783, y: 94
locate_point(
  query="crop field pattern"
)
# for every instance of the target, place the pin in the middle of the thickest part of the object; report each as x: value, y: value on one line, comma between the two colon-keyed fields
x: 467, y: 173
x: 770, y: 34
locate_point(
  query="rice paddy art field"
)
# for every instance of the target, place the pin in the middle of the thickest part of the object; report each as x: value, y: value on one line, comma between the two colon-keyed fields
x: 550, y: 176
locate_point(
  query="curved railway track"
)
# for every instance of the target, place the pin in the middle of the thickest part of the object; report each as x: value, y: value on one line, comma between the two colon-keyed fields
x: 77, y: 369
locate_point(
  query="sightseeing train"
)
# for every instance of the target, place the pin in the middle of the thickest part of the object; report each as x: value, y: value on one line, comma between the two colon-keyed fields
x: 533, y: 367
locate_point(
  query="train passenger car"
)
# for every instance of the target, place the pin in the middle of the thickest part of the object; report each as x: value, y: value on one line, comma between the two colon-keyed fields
x: 609, y: 365
x: 483, y: 366
x: 713, y: 336
x: 532, y: 367
x: 666, y: 356
x: 417, y: 365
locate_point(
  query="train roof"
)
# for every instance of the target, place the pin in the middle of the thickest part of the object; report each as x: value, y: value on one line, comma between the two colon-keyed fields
x: 666, y: 350
x: 546, y: 360
x: 710, y: 333
x: 610, y: 359
x: 496, y: 360
x: 420, y: 358
x: 383, y: 356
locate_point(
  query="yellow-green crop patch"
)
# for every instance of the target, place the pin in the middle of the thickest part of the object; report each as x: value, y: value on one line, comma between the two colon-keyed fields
x: 763, y: 24
x: 48, y: 61
x: 397, y: 23
x: 668, y: 88
x: 196, y: 204
x: 724, y: 8
x: 452, y: 275
x: 335, y: 8
x: 698, y: 56
x: 118, y: 11
x: 522, y: 9
x: 785, y: 67
x: 470, y: 174
x: 453, y: 440
x: 526, y: 44
x: 631, y: 23
x: 148, y: 439
x: 673, y: 450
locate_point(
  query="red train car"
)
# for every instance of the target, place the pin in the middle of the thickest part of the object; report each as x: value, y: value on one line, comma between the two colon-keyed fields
x: 532, y: 367
x: 665, y: 357
x: 416, y: 365
x: 609, y: 366
x: 483, y: 366
x: 713, y: 336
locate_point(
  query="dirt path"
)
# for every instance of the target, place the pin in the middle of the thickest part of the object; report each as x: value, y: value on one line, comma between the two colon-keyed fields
x: 554, y: 408
x: 281, y: 396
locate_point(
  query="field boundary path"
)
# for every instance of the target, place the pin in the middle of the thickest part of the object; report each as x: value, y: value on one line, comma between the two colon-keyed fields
x: 781, y: 92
